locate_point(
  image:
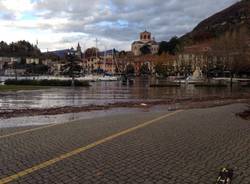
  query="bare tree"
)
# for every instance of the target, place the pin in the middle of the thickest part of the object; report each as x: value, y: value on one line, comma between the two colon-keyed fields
x: 233, y: 47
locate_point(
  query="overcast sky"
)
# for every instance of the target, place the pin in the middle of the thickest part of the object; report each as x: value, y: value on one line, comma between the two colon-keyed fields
x: 59, y: 24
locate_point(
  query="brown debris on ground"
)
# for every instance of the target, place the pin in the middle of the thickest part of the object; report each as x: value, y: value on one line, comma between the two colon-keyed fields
x: 182, y: 103
x: 245, y: 115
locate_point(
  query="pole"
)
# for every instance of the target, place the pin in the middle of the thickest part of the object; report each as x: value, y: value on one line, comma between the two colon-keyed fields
x: 105, y: 56
x: 71, y: 67
x: 231, y: 72
x: 98, y: 62
x: 15, y: 70
x: 112, y: 62
x: 72, y: 71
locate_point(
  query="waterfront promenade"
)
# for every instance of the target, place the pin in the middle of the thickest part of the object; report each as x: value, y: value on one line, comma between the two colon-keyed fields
x: 186, y: 146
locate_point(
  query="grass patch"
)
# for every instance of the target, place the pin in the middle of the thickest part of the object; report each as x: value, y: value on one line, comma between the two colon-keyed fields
x: 46, y: 83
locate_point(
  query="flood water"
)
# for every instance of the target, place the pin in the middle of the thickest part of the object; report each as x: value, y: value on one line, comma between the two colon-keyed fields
x: 100, y: 93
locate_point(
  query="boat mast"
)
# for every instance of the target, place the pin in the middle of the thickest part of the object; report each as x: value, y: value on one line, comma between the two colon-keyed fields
x: 96, y: 41
x: 105, y: 56
x: 112, y: 62
x: 116, y: 63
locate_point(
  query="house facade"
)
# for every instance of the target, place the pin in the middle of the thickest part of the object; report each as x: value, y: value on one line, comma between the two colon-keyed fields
x: 32, y: 61
x: 103, y: 62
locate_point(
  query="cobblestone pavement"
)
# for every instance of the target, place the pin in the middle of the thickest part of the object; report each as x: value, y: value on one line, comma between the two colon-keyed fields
x: 188, y: 147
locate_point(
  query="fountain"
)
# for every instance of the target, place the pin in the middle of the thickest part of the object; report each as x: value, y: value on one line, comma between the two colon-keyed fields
x: 197, y: 76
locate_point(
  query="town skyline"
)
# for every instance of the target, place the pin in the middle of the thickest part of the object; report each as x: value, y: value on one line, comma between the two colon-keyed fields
x: 59, y: 25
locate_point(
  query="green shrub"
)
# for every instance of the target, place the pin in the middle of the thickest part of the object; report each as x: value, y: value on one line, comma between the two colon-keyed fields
x: 211, y: 85
x: 46, y: 82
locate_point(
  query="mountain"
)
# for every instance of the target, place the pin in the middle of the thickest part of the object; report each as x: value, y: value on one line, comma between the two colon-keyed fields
x: 230, y: 19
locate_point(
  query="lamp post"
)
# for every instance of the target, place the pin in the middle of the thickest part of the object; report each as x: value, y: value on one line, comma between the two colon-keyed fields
x: 70, y: 58
x: 15, y: 69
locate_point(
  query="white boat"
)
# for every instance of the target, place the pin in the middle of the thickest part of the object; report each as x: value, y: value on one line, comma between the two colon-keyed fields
x: 108, y: 78
x: 88, y: 78
x: 98, y: 78
x: 188, y: 81
x: 191, y: 80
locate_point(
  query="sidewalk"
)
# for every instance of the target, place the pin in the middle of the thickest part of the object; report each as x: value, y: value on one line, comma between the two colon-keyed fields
x: 181, y: 147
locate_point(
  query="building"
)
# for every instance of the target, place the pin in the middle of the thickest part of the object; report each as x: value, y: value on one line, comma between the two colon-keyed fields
x: 7, y: 63
x: 78, y: 51
x: 56, y: 68
x: 204, y: 57
x: 46, y: 61
x: 57, y: 65
x: 63, y: 53
x: 32, y: 61
x: 101, y: 62
x: 15, y: 72
x: 10, y: 60
x: 145, y: 40
x: 92, y: 64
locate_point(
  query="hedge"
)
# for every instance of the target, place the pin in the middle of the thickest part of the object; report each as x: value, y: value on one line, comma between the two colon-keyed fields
x: 46, y: 82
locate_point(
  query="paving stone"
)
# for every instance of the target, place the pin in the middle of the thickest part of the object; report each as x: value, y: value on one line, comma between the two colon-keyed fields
x: 190, y: 148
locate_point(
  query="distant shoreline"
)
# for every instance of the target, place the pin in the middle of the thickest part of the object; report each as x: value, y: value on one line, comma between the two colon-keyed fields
x: 172, y: 104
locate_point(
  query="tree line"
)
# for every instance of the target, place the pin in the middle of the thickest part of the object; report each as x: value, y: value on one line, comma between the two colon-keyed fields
x: 19, y: 49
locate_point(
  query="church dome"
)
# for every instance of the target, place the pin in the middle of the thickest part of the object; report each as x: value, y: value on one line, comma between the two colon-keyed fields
x: 137, y: 42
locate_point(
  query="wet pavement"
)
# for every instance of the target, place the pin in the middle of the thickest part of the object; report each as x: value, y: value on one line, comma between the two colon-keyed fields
x: 62, y: 118
x: 190, y: 146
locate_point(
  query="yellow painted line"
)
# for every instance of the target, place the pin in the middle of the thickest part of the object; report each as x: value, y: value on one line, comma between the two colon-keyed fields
x: 27, y: 131
x: 80, y: 150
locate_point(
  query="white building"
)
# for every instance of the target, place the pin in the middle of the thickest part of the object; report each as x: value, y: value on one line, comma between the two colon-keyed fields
x: 10, y: 60
x: 13, y: 72
x: 32, y: 61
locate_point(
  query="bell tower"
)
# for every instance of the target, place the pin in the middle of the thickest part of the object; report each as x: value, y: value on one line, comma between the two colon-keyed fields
x: 145, y: 36
x: 79, y: 51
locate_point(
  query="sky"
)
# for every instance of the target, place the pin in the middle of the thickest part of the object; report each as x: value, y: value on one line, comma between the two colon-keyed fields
x: 61, y: 24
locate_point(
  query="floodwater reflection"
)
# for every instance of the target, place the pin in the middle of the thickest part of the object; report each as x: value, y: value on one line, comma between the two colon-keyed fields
x: 102, y: 93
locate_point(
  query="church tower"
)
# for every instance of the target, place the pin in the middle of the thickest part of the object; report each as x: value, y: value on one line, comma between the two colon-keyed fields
x: 145, y: 39
x: 145, y: 36
x: 79, y: 51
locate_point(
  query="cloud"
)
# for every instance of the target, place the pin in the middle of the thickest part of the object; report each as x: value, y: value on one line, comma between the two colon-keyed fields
x: 13, y: 9
x: 116, y: 22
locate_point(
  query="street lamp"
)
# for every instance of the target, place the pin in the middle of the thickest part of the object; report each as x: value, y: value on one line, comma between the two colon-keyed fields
x: 70, y: 58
